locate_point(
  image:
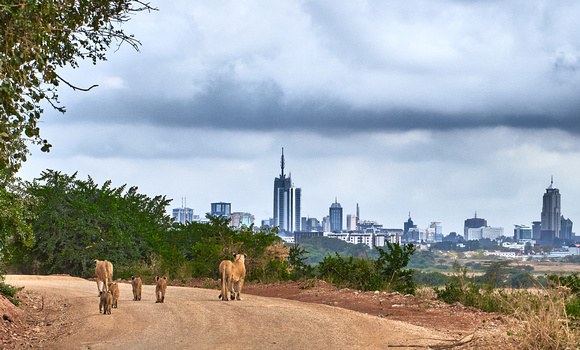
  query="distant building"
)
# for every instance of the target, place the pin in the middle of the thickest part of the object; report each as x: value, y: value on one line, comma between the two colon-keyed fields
x: 351, y: 222
x: 183, y: 215
x: 311, y: 224
x: 300, y: 235
x: 406, y: 227
x: 551, y: 214
x: 438, y: 231
x: 484, y: 232
x: 239, y: 219
x: 268, y: 223
x: 335, y: 214
x: 414, y: 234
x: 368, y: 226
x: 369, y: 239
x: 286, y: 202
x: 326, y: 224
x: 566, y: 229
x: 221, y: 209
x: 536, y: 230
x: 522, y: 232
x: 474, y: 222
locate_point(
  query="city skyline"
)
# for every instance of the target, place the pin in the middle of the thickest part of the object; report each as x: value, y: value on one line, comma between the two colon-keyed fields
x: 438, y: 108
x: 551, y: 209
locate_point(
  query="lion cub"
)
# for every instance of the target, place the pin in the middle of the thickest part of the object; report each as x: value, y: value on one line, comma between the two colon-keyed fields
x: 232, y: 274
x: 160, y: 287
x: 114, y: 289
x: 137, y: 285
x: 106, y: 302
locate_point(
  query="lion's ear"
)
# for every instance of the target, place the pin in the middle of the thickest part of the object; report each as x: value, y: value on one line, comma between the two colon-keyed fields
x: 245, y: 256
x: 235, y: 255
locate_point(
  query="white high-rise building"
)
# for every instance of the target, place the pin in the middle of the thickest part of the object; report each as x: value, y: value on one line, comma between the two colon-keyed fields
x: 351, y: 222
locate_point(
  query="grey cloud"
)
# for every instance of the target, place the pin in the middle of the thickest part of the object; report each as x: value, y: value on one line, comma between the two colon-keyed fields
x: 231, y: 106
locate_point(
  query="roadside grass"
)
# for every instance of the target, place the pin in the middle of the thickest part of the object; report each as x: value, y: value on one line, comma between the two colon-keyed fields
x: 543, y: 321
x: 542, y: 317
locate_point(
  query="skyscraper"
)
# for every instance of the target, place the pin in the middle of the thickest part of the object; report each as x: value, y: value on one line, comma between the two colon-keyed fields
x: 551, y: 214
x: 286, y: 202
x: 335, y: 214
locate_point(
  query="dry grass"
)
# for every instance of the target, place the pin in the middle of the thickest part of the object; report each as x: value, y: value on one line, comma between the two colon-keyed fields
x: 540, y: 319
x: 425, y: 292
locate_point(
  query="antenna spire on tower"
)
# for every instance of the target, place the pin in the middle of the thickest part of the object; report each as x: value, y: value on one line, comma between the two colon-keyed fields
x: 282, y: 163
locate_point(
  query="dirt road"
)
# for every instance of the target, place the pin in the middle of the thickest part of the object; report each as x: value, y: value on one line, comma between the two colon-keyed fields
x: 194, y: 318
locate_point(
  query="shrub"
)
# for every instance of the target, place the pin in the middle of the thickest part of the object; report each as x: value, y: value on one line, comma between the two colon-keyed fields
x: 10, y: 292
x: 385, y: 273
x: 299, y: 270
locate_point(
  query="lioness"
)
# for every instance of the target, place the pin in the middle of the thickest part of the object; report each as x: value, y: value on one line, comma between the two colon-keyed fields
x: 114, y: 289
x: 160, y: 287
x: 103, y: 273
x: 232, y: 275
x: 137, y: 285
x: 106, y: 302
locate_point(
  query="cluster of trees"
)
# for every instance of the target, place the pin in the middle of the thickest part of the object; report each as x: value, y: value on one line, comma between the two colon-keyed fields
x: 77, y: 221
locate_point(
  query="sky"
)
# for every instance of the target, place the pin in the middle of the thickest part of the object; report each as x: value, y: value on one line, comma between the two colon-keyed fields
x: 437, y: 109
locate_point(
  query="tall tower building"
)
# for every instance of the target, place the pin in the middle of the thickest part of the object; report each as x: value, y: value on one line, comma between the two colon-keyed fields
x: 551, y: 224
x: 335, y: 214
x: 286, y: 202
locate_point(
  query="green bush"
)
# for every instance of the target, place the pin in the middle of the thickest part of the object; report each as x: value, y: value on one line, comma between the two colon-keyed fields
x: 385, y: 273
x: 348, y: 272
x: 10, y: 292
x: 430, y: 278
x: 299, y: 269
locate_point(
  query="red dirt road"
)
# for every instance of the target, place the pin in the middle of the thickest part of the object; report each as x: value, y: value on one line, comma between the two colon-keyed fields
x: 194, y: 318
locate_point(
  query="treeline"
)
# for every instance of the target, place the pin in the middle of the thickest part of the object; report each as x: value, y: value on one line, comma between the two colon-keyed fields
x: 76, y: 221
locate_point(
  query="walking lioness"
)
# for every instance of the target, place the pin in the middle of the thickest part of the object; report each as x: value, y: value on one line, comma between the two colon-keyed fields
x: 103, y: 274
x: 160, y: 288
x: 137, y: 285
x: 232, y: 276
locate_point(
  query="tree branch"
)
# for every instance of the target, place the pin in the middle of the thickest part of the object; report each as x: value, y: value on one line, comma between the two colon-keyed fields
x: 72, y: 86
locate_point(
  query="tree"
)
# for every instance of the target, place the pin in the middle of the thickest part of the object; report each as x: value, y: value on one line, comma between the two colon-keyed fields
x: 37, y: 38
x: 79, y: 221
x: 496, y: 273
x: 300, y: 270
x: 13, y: 218
x: 391, y: 266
